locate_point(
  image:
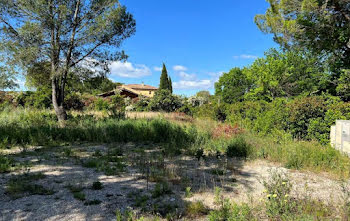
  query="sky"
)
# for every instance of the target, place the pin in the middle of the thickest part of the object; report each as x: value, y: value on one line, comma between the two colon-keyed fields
x: 198, y: 40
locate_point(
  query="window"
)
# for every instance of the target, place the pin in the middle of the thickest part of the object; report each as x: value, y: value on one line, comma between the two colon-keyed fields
x: 150, y: 92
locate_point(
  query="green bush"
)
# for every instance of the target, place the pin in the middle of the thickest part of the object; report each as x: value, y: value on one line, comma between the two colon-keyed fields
x: 101, y: 104
x: 164, y: 100
x: 238, y: 147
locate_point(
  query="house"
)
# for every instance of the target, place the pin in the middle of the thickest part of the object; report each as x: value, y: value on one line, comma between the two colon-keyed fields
x: 132, y: 91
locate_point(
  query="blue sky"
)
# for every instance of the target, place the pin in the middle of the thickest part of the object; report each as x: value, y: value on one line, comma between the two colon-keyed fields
x: 196, y: 39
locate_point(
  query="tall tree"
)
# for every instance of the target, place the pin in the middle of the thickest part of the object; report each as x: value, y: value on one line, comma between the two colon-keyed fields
x: 321, y: 26
x: 232, y: 86
x: 164, y: 79
x: 170, y: 85
x: 65, y: 33
x: 7, y: 81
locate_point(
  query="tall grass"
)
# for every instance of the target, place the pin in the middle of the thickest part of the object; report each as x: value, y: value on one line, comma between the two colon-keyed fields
x: 30, y: 127
x: 39, y: 127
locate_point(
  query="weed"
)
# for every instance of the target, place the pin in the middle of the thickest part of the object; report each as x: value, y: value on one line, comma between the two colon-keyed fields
x: 97, y: 185
x: 278, y: 188
x: 238, y: 147
x: 218, y: 199
x: 196, y: 209
x: 92, y: 202
x: 6, y: 164
x: 79, y: 196
x: 161, y: 189
x: 188, y: 192
x: 232, y: 211
x: 19, y: 186
x: 67, y: 151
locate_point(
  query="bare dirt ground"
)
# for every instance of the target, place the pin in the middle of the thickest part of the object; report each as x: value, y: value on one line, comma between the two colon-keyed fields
x: 129, y: 175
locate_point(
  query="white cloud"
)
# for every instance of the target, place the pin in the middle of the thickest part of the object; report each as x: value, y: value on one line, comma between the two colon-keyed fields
x: 183, y: 75
x: 197, y: 84
x: 191, y: 81
x: 179, y: 68
x: 245, y: 56
x: 129, y: 70
x: 157, y: 68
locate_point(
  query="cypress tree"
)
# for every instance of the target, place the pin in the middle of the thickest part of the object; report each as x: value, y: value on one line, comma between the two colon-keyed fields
x: 170, y: 85
x: 164, y: 81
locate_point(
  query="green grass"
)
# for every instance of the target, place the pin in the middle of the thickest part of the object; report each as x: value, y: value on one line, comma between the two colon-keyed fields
x: 196, y: 209
x: 39, y: 127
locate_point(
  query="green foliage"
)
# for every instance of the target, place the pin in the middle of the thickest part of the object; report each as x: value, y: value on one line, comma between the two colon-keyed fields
x: 232, y: 86
x: 196, y: 209
x: 343, y: 88
x: 165, y: 81
x: 278, y: 74
x: 302, y: 111
x: 6, y: 81
x: 315, y: 26
x: 29, y: 127
x: 188, y: 192
x: 161, y: 189
x: 142, y: 104
x: 238, y: 147
x: 98, y: 29
x: 278, y: 189
x: 101, y: 104
x: 40, y: 99
x: 6, y: 164
x: 232, y: 212
x: 163, y: 100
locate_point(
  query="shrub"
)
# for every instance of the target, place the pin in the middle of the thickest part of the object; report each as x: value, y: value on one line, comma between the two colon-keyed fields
x: 97, y: 185
x: 101, y: 104
x: 301, y: 111
x: 142, y: 103
x: 40, y: 99
x: 5, y: 164
x: 238, y: 147
x: 163, y: 100
x: 73, y: 101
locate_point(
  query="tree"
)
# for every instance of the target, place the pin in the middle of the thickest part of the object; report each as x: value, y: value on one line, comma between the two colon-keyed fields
x: 164, y: 79
x: 343, y: 88
x: 81, y: 80
x: 170, y: 85
x: 65, y: 33
x: 232, y: 86
x: 163, y: 100
x: 285, y: 74
x: 7, y: 81
x: 321, y: 26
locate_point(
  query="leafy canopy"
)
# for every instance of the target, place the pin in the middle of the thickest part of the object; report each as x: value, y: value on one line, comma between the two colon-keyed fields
x: 321, y: 26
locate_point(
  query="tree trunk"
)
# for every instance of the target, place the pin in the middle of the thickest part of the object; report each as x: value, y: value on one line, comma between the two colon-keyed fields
x: 57, y: 101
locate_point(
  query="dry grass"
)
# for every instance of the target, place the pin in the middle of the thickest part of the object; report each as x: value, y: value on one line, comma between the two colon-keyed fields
x: 176, y: 116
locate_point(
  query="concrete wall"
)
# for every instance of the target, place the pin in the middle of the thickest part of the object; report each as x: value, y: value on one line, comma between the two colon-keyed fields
x: 340, y: 135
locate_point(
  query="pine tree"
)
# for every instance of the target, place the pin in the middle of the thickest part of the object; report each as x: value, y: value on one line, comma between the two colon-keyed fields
x: 164, y: 81
x: 170, y: 85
